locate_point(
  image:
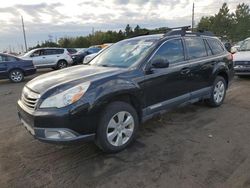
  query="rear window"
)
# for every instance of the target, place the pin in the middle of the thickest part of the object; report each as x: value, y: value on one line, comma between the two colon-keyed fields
x: 71, y: 50
x: 7, y: 58
x: 195, y: 47
x: 216, y: 46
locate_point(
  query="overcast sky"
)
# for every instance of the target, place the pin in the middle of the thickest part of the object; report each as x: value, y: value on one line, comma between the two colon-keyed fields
x: 58, y: 18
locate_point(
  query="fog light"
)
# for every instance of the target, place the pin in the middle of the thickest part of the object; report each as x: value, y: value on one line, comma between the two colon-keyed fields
x: 58, y: 134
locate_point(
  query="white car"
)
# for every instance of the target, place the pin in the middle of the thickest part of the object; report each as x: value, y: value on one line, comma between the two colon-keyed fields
x: 236, y: 47
x: 56, y: 58
x: 242, y: 59
x: 89, y: 57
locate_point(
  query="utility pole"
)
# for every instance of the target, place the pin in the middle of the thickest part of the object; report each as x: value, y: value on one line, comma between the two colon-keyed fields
x: 193, y: 18
x: 24, y: 35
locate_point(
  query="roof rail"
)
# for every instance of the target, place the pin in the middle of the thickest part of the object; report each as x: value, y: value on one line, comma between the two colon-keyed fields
x: 184, y: 30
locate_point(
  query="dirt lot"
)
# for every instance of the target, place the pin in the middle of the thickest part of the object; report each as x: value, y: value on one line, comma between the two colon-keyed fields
x: 193, y: 146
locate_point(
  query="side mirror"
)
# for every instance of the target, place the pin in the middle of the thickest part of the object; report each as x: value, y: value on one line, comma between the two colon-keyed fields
x: 160, y: 63
x: 32, y: 55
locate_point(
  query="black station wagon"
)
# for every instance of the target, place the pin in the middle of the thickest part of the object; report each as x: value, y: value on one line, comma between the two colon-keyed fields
x: 130, y: 82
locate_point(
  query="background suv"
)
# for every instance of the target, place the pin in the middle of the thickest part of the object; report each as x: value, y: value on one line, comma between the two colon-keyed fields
x: 242, y: 59
x: 56, y: 58
x: 130, y: 82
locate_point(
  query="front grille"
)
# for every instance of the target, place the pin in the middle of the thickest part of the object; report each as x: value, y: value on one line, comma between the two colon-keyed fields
x: 29, y: 98
x: 243, y: 63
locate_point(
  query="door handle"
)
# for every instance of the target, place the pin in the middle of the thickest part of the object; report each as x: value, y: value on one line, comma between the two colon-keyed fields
x: 43, y: 57
x: 185, y: 71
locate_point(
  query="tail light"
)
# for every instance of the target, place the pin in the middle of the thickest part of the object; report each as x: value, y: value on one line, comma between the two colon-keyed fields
x: 230, y: 57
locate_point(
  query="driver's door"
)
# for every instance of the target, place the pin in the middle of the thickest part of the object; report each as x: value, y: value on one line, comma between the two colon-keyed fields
x: 166, y: 87
x: 37, y: 58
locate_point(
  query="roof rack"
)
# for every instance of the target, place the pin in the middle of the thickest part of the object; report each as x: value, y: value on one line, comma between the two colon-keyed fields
x: 184, y: 30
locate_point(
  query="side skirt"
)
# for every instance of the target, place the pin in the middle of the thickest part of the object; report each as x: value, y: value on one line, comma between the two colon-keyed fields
x: 183, y: 100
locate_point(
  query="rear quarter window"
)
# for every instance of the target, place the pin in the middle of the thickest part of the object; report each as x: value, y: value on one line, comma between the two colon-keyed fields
x: 195, y: 47
x: 10, y: 58
x: 215, y: 46
x: 59, y: 51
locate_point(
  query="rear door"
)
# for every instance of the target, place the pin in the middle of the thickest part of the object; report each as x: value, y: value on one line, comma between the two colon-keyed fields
x: 201, y: 66
x: 51, y: 57
x: 167, y: 87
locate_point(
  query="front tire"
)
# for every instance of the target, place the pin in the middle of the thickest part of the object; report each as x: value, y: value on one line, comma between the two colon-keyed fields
x: 117, y: 127
x: 16, y: 76
x: 218, y: 92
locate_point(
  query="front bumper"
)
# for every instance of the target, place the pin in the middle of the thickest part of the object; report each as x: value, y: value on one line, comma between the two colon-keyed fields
x: 242, y: 70
x: 57, y: 126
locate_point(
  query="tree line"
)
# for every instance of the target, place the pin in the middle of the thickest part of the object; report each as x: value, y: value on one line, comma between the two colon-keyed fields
x: 100, y: 37
x: 234, y: 26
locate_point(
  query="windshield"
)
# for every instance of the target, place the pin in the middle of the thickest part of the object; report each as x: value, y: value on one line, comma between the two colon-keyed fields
x: 29, y: 53
x: 124, y: 53
x: 245, y: 46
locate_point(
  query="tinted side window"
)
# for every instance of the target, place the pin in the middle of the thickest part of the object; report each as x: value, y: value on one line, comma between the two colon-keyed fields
x: 10, y: 58
x: 209, y: 51
x: 215, y: 46
x: 71, y: 50
x: 1, y: 59
x: 195, y: 47
x: 59, y: 51
x: 49, y: 52
x: 172, y: 51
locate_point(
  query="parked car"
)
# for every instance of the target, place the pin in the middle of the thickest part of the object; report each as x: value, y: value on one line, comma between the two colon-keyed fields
x: 79, y: 56
x: 236, y: 47
x: 132, y: 81
x: 56, y: 58
x: 89, y: 57
x: 242, y: 59
x: 71, y: 50
x: 14, y: 68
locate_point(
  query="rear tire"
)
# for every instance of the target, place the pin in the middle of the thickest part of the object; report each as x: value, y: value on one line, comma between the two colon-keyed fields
x: 61, y: 64
x: 16, y: 76
x: 218, y: 92
x: 117, y: 127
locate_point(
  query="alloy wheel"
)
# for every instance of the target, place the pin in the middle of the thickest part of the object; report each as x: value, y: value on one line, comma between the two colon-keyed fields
x: 219, y: 91
x: 16, y: 76
x: 120, y: 128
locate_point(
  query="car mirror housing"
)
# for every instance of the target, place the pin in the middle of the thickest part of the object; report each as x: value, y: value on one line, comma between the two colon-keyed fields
x: 160, y: 63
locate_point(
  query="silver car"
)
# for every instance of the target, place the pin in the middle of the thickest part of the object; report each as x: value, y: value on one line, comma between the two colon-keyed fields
x: 56, y: 58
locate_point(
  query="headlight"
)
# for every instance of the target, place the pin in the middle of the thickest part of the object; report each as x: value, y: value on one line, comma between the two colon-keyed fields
x: 66, y: 98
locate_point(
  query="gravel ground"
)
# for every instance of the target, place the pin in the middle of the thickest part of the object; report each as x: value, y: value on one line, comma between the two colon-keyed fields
x: 192, y: 146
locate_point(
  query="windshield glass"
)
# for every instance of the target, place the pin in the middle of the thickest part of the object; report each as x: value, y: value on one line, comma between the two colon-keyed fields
x: 29, y: 53
x: 245, y: 46
x: 124, y: 53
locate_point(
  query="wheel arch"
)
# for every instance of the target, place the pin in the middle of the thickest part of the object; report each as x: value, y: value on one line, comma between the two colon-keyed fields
x: 223, y: 74
x: 129, y: 98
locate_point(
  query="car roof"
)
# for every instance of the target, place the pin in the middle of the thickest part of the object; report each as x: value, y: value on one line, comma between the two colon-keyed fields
x: 8, y: 54
x: 144, y: 37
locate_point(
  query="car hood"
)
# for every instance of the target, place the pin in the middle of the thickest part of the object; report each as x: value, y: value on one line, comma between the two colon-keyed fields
x: 242, y: 56
x: 79, y: 73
